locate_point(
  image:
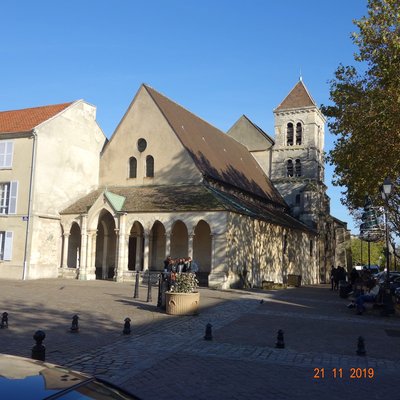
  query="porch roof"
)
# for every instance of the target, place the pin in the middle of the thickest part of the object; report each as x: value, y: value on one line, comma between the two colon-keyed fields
x: 153, y: 198
x: 187, y: 198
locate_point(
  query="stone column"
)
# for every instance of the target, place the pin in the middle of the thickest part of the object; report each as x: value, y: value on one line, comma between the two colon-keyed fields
x: 218, y: 277
x: 146, y: 251
x: 190, y: 247
x: 65, y: 250
x: 123, y: 240
x: 84, y: 240
x: 167, y: 245
x: 116, y: 255
x: 91, y: 256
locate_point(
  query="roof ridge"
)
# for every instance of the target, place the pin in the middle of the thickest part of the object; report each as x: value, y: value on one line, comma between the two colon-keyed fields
x: 66, y: 104
x: 184, y: 108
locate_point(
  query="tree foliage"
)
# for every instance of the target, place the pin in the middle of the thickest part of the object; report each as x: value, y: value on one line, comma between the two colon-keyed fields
x: 359, y: 251
x: 365, y: 114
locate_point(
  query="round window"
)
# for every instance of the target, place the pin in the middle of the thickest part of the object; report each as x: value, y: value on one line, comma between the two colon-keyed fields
x: 141, y: 145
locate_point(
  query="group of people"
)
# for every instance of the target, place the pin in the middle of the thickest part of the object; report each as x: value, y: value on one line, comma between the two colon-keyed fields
x: 337, y: 274
x: 363, y: 286
x: 179, y: 265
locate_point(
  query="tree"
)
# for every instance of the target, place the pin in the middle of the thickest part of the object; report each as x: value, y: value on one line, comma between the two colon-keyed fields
x: 359, y: 251
x: 365, y: 115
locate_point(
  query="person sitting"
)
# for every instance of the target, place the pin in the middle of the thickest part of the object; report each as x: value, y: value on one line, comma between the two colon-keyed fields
x: 368, y: 297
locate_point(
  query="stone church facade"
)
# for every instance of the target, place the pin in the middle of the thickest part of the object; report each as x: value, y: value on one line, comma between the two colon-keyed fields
x: 169, y: 183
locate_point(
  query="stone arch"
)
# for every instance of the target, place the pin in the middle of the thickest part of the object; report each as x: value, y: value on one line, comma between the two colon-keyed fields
x: 179, y: 240
x: 136, y: 247
x: 289, y: 168
x: 106, y: 242
x: 289, y: 134
x: 157, y: 245
x: 74, y: 246
x: 299, y: 133
x: 202, y: 249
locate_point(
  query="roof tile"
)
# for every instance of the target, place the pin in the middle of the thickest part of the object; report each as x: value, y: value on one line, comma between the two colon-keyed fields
x: 25, y: 120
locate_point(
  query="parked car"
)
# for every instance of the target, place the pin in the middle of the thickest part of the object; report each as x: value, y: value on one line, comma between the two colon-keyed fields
x: 395, y: 284
x: 392, y: 276
x: 26, y: 379
x: 374, y: 269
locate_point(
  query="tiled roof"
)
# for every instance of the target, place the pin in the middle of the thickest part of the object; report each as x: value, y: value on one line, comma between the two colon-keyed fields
x: 297, y: 98
x: 153, y: 198
x: 26, y: 120
x: 217, y: 155
x: 186, y: 198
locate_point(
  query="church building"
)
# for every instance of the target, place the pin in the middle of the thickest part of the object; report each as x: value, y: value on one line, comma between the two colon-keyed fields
x: 247, y: 208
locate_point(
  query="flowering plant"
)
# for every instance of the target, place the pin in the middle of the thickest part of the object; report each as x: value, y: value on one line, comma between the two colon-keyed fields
x: 185, y: 282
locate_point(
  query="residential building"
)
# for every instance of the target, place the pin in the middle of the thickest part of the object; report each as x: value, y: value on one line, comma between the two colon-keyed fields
x: 48, y: 156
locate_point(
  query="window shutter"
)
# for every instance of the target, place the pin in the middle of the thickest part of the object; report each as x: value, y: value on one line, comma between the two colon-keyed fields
x: 2, y: 153
x: 6, y: 154
x: 9, y: 154
x: 8, y: 244
x: 13, y: 197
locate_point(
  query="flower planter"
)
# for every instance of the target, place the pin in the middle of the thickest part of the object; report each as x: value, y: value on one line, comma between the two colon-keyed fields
x: 182, y: 303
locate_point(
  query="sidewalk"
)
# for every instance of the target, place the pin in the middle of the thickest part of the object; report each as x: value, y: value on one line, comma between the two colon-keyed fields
x: 167, y: 357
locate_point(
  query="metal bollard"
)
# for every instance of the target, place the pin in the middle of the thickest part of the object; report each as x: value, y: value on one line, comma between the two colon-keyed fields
x: 159, y: 297
x: 39, y: 351
x: 4, y: 320
x: 74, y: 326
x: 280, y: 344
x: 361, y: 346
x: 127, y: 326
x: 208, y: 335
x: 149, y: 298
x: 136, y: 293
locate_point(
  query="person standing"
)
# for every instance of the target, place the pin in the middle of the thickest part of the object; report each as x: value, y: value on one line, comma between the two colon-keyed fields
x: 333, y: 275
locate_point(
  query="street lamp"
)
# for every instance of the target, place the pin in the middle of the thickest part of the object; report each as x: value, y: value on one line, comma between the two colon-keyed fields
x: 386, y: 189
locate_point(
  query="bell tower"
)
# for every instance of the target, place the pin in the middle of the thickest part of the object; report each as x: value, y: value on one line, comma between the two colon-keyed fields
x: 297, y: 157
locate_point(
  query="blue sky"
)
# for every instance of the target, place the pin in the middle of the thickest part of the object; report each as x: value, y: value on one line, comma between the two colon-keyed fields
x: 218, y: 58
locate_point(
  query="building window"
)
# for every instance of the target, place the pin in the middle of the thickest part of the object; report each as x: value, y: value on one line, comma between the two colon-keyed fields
x: 289, y: 168
x: 8, y: 197
x: 150, y: 166
x: 299, y: 133
x: 6, y: 240
x: 311, y: 248
x: 141, y: 145
x: 6, y: 154
x: 289, y: 134
x: 297, y: 199
x: 297, y: 167
x: 132, y: 167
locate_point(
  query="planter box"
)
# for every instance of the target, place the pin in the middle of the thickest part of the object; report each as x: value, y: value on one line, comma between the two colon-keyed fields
x: 182, y: 303
x: 294, y: 280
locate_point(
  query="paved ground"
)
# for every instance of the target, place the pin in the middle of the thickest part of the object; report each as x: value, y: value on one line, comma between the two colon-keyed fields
x: 166, y: 357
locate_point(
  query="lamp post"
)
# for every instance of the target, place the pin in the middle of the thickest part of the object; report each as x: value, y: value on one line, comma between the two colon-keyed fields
x: 386, y: 189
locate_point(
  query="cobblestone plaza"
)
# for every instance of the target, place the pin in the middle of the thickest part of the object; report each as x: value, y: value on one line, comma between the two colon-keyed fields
x: 166, y: 357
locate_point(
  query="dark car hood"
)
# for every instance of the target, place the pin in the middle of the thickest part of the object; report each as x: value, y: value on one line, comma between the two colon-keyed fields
x: 22, y: 378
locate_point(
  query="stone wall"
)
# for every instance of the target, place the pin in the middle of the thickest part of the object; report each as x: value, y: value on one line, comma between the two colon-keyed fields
x: 256, y: 252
